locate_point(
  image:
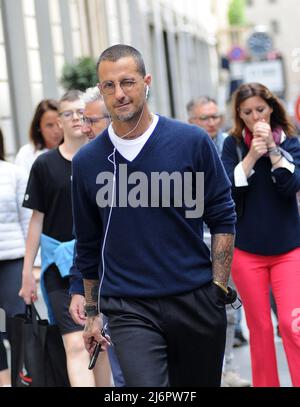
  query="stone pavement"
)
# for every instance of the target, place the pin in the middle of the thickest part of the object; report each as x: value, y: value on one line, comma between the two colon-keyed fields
x: 243, y: 364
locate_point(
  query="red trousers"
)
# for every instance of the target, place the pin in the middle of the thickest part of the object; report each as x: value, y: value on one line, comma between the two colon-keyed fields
x: 254, y: 275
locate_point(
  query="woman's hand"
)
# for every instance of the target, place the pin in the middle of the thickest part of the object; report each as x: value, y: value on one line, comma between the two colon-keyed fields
x: 28, y: 290
x: 258, y: 148
x: 263, y: 130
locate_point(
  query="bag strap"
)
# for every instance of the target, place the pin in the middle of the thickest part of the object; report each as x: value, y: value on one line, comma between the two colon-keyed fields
x: 31, y: 312
x: 32, y: 316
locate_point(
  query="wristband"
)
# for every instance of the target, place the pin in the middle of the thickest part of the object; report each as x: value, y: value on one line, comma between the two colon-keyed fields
x: 91, y: 310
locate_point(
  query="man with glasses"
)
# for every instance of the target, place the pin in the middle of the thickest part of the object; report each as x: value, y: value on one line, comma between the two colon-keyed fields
x: 204, y: 112
x: 144, y: 263
x: 95, y: 117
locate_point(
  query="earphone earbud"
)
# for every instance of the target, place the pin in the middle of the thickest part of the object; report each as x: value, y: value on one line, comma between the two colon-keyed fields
x: 147, y: 91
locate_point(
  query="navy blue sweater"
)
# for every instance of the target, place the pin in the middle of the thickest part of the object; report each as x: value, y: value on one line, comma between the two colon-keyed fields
x: 150, y: 251
x: 269, y: 223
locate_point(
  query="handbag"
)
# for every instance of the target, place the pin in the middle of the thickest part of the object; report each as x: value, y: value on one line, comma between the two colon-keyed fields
x: 38, y: 356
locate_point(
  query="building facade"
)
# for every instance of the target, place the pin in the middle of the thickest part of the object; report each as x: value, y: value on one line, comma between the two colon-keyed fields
x: 281, y: 19
x: 177, y: 39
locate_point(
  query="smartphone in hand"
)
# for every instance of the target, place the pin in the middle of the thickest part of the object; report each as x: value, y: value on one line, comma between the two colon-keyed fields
x: 96, y: 352
x: 94, y: 357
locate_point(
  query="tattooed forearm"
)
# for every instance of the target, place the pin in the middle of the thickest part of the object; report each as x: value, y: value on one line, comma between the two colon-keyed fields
x: 221, y: 254
x: 91, y: 289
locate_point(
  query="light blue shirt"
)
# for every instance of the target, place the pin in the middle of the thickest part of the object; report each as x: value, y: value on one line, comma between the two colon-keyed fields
x: 55, y: 252
x: 219, y: 141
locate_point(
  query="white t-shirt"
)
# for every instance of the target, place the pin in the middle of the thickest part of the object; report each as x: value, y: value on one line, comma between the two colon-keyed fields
x: 130, y: 149
x: 27, y: 155
x: 25, y: 158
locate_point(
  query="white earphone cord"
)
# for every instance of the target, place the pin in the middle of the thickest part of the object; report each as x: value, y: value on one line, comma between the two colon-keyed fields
x: 108, y: 222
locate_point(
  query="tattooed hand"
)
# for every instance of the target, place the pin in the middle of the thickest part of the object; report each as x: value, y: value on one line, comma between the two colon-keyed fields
x: 92, y: 334
x: 221, y: 254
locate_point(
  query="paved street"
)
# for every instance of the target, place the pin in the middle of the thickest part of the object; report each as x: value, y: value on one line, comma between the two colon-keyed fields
x: 242, y: 361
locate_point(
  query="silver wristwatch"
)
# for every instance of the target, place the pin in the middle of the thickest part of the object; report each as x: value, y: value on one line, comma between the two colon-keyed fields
x: 274, y: 151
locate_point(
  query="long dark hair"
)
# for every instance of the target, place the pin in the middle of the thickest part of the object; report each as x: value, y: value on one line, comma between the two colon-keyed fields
x: 2, y: 152
x: 35, y: 133
x: 279, y: 116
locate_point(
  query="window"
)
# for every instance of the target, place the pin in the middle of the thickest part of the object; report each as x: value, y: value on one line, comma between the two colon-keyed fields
x: 33, y: 51
x: 57, y: 39
x: 6, y: 120
x: 275, y: 27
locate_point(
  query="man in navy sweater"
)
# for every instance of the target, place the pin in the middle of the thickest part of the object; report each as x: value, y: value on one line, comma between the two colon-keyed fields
x: 140, y: 194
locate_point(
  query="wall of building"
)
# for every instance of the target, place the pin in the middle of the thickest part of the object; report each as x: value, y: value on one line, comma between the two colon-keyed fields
x: 281, y: 18
x: 176, y: 38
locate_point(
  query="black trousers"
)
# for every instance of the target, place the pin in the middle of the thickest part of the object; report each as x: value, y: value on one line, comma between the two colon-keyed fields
x: 170, y: 341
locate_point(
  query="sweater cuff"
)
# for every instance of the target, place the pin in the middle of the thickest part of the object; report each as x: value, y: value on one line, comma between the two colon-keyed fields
x: 240, y: 179
x: 76, y: 286
x: 287, y: 165
x: 221, y: 229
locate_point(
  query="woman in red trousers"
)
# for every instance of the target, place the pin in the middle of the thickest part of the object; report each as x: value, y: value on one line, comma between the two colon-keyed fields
x: 262, y: 159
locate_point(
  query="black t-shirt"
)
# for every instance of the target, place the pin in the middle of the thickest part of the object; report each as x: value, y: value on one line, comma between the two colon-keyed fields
x: 49, y: 191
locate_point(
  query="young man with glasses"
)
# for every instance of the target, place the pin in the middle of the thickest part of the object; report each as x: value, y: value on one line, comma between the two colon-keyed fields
x: 94, y: 121
x: 144, y: 264
x: 48, y: 194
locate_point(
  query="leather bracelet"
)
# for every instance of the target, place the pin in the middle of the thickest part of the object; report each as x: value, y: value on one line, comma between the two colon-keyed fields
x: 221, y: 286
x: 91, y: 310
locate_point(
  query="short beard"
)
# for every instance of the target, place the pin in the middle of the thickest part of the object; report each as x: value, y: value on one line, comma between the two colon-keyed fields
x: 126, y: 117
x: 129, y: 116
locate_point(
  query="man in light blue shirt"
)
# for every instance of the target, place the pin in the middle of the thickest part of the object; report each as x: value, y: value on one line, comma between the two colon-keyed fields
x: 204, y: 112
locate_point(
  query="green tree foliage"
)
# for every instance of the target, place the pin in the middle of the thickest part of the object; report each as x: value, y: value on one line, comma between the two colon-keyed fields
x: 80, y: 75
x: 236, y: 12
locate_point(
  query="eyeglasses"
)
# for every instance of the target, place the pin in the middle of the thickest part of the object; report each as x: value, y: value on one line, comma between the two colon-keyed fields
x: 109, y: 87
x: 69, y: 114
x: 90, y: 121
x: 206, y: 118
